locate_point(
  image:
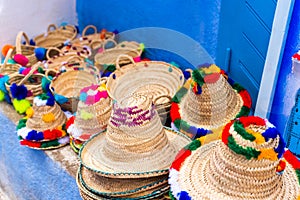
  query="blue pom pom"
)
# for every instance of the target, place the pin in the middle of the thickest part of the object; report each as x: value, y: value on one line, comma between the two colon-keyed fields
x: 64, y: 24
x: 3, y: 80
x: 187, y: 75
x: 116, y: 32
x: 50, y: 100
x: 280, y: 148
x: 230, y: 81
x: 83, y: 97
x: 202, y: 132
x: 183, y: 195
x: 199, y: 89
x: 60, y: 99
x: 193, y: 130
x: 107, y: 74
x: 18, y: 92
x: 31, y: 135
x: 40, y: 53
x: 39, y: 136
x: 270, y: 133
x: 32, y: 42
x: 21, y: 69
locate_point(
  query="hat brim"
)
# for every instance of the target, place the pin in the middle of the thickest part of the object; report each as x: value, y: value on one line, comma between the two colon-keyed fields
x: 89, y: 156
x: 194, y: 171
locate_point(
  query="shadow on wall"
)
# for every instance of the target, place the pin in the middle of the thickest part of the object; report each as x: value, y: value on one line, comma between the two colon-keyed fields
x: 198, y: 19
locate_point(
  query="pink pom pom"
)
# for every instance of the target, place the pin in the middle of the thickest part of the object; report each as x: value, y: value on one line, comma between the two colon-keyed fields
x: 137, y: 59
x: 20, y: 59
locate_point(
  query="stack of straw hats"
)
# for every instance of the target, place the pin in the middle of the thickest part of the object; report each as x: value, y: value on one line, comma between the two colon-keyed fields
x: 207, y: 101
x: 93, y: 112
x: 131, y: 159
x: 248, y: 163
x: 44, y: 125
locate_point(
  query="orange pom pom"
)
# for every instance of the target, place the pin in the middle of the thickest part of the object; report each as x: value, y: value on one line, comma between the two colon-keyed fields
x: 6, y: 48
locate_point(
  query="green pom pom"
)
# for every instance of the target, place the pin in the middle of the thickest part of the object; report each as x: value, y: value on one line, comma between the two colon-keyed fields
x: 21, y: 124
x: 247, y: 152
x: 238, y: 87
x: 41, y: 70
x: 21, y: 105
x: 193, y: 145
x: 177, y: 123
x: 197, y: 77
x: 238, y: 127
x: 244, y: 112
x: 2, y: 95
x: 45, y: 83
x: 110, y: 68
x: 178, y: 96
x: 48, y: 144
x: 171, y: 195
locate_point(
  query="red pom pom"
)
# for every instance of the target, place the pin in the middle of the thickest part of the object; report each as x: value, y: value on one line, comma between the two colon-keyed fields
x: 225, y: 133
x: 30, y: 144
x: 6, y: 48
x: 180, y: 158
x: 174, y: 112
x: 246, y: 121
x: 70, y: 122
x: 292, y: 159
x: 246, y: 98
x: 212, y: 78
x: 52, y: 135
x: 20, y: 59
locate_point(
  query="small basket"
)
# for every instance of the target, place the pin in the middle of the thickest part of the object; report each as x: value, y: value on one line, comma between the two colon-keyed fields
x: 57, y: 37
x: 33, y: 82
x: 160, y: 80
x: 109, y: 56
x: 88, y: 40
x: 6, y: 68
x: 26, y: 49
x: 66, y: 86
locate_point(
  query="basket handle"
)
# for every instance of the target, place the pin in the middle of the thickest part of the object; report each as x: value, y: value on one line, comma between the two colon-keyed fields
x: 74, y: 58
x: 87, y: 28
x: 33, y: 69
x: 50, y: 70
x: 95, y: 42
x: 8, y: 55
x: 160, y: 97
x: 53, y: 26
x: 123, y: 56
x: 52, y: 49
x: 19, y: 41
x: 109, y: 40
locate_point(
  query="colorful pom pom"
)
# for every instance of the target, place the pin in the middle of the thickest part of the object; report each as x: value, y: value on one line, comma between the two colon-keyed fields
x: 18, y: 91
x: 29, y: 112
x: 6, y: 48
x: 48, y: 118
x: 21, y: 59
x: 40, y: 53
x: 21, y: 105
x: 2, y: 95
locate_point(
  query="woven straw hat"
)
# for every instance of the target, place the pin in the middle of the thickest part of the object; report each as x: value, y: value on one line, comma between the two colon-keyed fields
x: 44, y: 125
x: 135, y: 143
x: 207, y: 102
x: 246, y: 164
x: 92, y: 114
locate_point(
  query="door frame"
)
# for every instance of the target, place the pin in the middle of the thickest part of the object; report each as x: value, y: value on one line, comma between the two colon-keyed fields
x: 275, y: 51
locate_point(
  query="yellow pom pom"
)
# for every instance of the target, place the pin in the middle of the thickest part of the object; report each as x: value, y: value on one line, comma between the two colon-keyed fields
x: 269, y: 154
x: 142, y: 46
x: 2, y: 95
x: 102, y: 87
x: 259, y: 138
x: 29, y: 112
x: 21, y: 105
x: 211, y: 69
x: 48, y: 118
x: 85, y: 115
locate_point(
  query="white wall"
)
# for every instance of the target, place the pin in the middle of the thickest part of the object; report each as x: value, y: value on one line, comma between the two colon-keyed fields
x: 33, y: 17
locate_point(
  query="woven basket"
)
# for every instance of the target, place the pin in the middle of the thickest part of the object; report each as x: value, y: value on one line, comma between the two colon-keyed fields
x: 33, y: 82
x: 109, y: 56
x: 68, y: 85
x: 6, y: 68
x: 82, y: 51
x: 89, y: 39
x: 158, y: 79
x: 56, y: 37
x: 26, y: 49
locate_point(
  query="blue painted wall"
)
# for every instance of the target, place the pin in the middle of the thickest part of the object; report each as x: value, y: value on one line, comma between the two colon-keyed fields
x: 199, y: 19
x: 287, y: 83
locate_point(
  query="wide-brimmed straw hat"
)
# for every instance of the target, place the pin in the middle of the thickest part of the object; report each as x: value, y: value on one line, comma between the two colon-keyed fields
x: 207, y: 101
x: 92, y: 114
x: 44, y: 125
x: 135, y: 143
x: 246, y: 164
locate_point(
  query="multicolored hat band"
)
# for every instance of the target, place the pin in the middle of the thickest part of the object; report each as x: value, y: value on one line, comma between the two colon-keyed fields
x: 207, y: 101
x: 93, y: 112
x: 135, y: 142
x: 248, y: 163
x: 44, y: 124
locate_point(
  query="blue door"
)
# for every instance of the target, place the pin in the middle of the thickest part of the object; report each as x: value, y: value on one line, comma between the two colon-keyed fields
x: 244, y: 33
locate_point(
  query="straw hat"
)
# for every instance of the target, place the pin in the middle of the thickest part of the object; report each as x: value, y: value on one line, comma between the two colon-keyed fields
x: 44, y: 125
x: 207, y: 102
x: 92, y: 116
x: 246, y: 164
x: 135, y: 143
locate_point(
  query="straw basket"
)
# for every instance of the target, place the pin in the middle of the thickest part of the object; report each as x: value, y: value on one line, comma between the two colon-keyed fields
x: 109, y: 56
x: 6, y: 68
x: 56, y: 36
x: 67, y: 86
x: 83, y: 51
x: 33, y: 82
x: 88, y: 39
x: 26, y: 49
x: 159, y: 80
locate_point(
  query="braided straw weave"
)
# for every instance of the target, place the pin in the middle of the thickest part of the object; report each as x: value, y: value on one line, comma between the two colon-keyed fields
x: 69, y: 84
x: 26, y: 49
x: 218, y: 171
x: 158, y: 80
x: 6, y: 68
x: 89, y: 39
x: 109, y: 56
x: 135, y: 143
x: 56, y: 37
